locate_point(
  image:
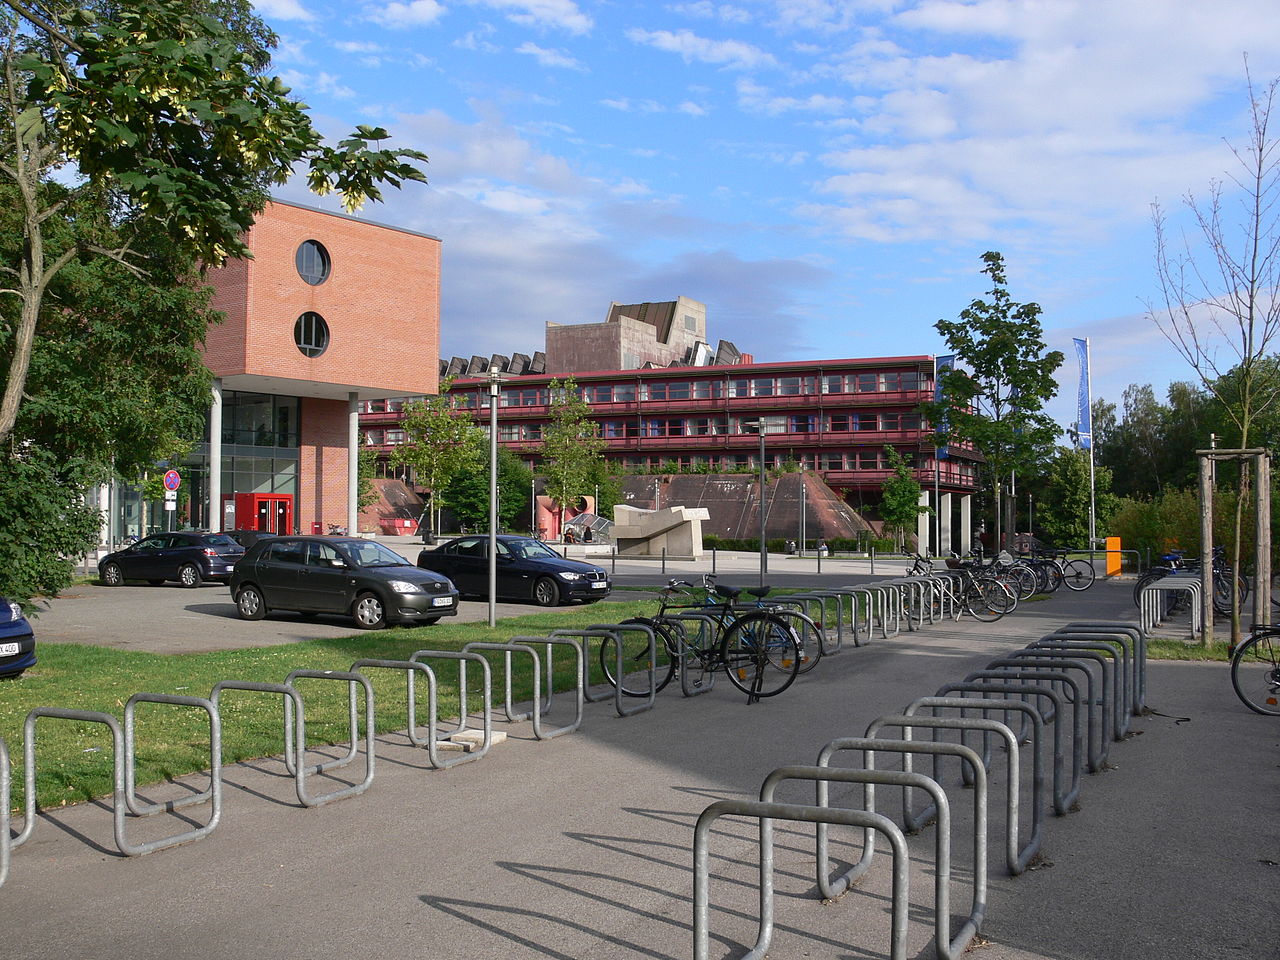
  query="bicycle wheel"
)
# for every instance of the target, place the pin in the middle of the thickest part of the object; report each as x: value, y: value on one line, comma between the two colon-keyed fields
x: 1078, y: 574
x: 1255, y: 673
x: 808, y: 635
x: 1024, y: 581
x: 1053, y: 577
x: 761, y: 654
x: 635, y: 657
x: 985, y: 600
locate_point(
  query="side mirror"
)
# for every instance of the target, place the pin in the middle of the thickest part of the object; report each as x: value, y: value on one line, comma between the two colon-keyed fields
x: 338, y: 563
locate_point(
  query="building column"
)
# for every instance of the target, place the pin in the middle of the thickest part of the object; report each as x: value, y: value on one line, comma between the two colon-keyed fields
x: 945, y: 537
x: 924, y: 526
x: 353, y: 463
x: 215, y: 457
x: 966, y: 523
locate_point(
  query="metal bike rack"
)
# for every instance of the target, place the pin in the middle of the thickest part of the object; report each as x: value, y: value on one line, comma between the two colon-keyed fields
x: 915, y: 587
x: 292, y: 707
x: 705, y: 622
x: 1117, y: 666
x: 947, y: 947
x: 535, y: 711
x: 796, y: 813
x: 1132, y: 637
x: 1099, y: 707
x: 1063, y: 796
x: 616, y: 632
x: 1017, y: 858
x: 860, y: 622
x: 212, y: 796
x: 579, y: 673
x: 412, y: 669
x: 1152, y: 603
x: 463, y: 714
x: 119, y: 808
x: 1029, y: 671
x: 913, y: 821
x: 6, y: 805
x: 352, y: 680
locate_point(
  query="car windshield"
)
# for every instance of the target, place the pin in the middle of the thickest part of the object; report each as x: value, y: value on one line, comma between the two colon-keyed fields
x: 370, y: 554
x: 532, y: 550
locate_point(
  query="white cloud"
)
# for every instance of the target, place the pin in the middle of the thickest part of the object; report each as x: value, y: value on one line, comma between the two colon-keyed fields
x: 758, y: 99
x: 626, y: 105
x: 704, y: 10
x: 357, y: 46
x: 281, y: 10
x: 325, y: 83
x: 692, y: 109
x: 561, y: 14
x: 549, y: 58
x: 415, y: 13
x: 733, y: 54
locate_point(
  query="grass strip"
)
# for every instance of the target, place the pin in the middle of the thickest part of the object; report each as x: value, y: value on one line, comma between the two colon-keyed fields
x: 73, y: 759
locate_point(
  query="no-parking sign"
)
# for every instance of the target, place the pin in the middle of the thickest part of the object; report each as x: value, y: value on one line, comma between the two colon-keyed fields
x: 172, y: 480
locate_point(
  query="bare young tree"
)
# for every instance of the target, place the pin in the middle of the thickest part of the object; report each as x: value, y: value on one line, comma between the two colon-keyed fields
x: 1219, y: 306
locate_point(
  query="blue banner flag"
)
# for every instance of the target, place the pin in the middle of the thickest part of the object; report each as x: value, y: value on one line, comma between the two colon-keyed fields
x: 1084, y: 418
x: 941, y: 365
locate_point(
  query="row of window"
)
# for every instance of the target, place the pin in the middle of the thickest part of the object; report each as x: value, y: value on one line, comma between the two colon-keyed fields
x: 661, y: 390
x: 847, y: 460
x: 740, y: 426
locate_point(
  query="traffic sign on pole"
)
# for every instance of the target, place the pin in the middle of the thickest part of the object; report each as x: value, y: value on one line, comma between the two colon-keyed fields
x: 172, y: 480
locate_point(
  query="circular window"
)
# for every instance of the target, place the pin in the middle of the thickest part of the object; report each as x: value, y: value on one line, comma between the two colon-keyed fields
x: 311, y: 334
x: 312, y: 261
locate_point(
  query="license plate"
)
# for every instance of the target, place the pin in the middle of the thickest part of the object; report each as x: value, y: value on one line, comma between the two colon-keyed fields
x: 442, y: 601
x: 8, y: 649
x: 599, y: 584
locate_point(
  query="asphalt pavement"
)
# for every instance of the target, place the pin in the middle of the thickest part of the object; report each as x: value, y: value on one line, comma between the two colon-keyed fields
x: 580, y: 847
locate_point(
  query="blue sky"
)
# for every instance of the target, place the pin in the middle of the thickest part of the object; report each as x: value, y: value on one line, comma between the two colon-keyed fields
x: 824, y: 175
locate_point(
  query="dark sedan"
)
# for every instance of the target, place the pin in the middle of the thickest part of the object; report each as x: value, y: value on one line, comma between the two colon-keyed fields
x: 527, y: 570
x: 17, y: 642
x: 188, y: 556
x: 344, y: 575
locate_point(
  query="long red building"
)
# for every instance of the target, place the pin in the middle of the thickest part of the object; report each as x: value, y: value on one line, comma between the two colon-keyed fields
x: 832, y: 417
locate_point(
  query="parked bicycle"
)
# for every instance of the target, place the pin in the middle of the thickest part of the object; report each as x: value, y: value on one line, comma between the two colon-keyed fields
x: 979, y: 592
x: 756, y: 647
x: 1255, y: 671
x: 1223, y: 579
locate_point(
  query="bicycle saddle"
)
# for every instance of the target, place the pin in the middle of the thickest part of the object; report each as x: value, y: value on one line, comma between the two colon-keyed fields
x: 758, y: 592
x: 729, y: 593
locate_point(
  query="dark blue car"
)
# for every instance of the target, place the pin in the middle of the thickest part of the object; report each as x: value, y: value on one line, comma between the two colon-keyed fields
x: 17, y: 642
x: 527, y: 569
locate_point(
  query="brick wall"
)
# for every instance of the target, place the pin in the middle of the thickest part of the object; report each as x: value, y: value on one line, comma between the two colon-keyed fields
x: 322, y: 470
x: 381, y: 303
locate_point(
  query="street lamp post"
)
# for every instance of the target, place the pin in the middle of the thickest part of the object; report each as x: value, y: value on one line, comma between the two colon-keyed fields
x: 495, y: 379
x: 764, y: 552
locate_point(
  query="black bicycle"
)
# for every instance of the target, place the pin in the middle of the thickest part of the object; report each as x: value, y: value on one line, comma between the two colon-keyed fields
x: 756, y: 647
x: 1255, y: 671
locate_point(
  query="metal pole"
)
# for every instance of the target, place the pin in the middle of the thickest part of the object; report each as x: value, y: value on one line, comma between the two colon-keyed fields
x: 1093, y: 507
x: 533, y: 504
x: 1206, y: 549
x: 764, y: 553
x: 494, y: 386
x: 1262, y: 561
x: 803, y: 505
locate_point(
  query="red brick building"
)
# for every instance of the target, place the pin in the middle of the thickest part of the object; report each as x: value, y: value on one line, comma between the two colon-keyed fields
x: 331, y: 311
x: 832, y: 417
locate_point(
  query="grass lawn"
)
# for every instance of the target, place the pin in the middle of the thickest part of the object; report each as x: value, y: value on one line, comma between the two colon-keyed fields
x: 74, y: 761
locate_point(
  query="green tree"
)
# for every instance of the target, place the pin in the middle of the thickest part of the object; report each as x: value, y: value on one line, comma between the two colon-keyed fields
x: 137, y: 141
x: 367, y: 467
x: 1063, y: 516
x: 900, y: 506
x: 468, y: 492
x: 998, y: 404
x: 1218, y: 303
x: 441, y: 443
x: 572, y: 449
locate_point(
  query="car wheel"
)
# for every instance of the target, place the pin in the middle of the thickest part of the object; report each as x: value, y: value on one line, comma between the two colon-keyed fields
x: 189, y: 575
x: 111, y: 574
x: 250, y: 605
x: 369, y: 612
x: 546, y: 593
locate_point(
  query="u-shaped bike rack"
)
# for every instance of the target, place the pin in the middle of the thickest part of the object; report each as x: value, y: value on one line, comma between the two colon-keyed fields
x: 797, y: 813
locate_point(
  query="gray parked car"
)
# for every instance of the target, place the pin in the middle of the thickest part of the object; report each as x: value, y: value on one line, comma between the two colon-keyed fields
x: 343, y: 575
